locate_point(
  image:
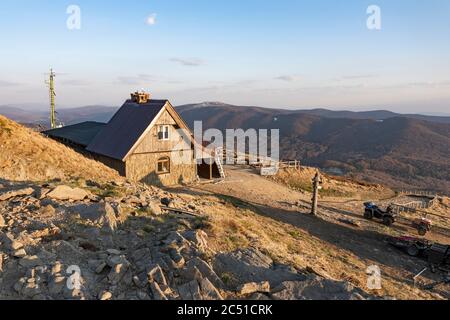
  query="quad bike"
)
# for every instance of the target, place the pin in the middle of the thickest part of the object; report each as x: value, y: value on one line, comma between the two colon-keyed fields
x: 422, y: 225
x: 412, y: 246
x: 373, y: 211
x: 437, y: 255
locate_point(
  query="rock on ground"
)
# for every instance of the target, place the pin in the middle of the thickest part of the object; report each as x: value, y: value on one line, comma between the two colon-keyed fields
x: 253, y: 287
x: 16, y: 193
x: 67, y: 193
x: 316, y: 288
x: 251, y: 265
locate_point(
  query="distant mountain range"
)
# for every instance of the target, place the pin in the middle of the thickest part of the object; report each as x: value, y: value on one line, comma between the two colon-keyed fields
x: 400, y: 150
x: 67, y: 116
x: 373, y: 115
x: 35, y: 114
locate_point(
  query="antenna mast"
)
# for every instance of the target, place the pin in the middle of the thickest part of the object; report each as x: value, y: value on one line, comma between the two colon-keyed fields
x: 52, y: 99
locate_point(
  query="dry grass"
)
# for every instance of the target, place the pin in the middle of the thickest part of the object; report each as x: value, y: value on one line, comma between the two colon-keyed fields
x: 231, y: 228
x: 300, y: 180
x: 28, y: 156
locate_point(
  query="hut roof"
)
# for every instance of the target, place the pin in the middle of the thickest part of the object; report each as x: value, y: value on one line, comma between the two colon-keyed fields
x: 118, y: 137
x: 81, y: 134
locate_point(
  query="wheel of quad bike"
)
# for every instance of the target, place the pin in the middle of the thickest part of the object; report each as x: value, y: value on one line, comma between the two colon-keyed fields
x: 413, y: 251
x: 368, y: 214
x: 422, y: 230
x: 388, y: 221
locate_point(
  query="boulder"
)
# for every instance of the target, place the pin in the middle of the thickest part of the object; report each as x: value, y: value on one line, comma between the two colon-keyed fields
x: 2, y: 222
x: 101, y: 213
x: 178, y: 260
x: 157, y: 292
x: 191, y: 273
x: 56, y: 285
x: 113, y: 260
x: 42, y: 192
x: 198, y: 237
x: 30, y: 262
x: 114, y: 252
x: 140, y: 254
x: 96, y: 265
x: 56, y: 268
x: 317, y: 288
x: 209, y: 292
x: 142, y: 295
x: 155, y: 207
x: 190, y: 291
x: 117, y: 273
x: 133, y: 200
x: 16, y: 193
x: 251, y: 265
x: 67, y: 252
x: 174, y: 238
x: 258, y: 296
x: 65, y: 193
x: 156, y: 274
x: 18, y: 286
x: 205, y: 270
x: 19, y: 253
x: 108, y: 219
x: 47, y: 210
x: 253, y: 287
x: 105, y: 295
x: 30, y: 290
x: 16, y: 245
x: 100, y: 267
x: 166, y: 201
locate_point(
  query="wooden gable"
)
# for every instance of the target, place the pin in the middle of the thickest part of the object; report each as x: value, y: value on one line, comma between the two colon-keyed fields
x: 149, y: 142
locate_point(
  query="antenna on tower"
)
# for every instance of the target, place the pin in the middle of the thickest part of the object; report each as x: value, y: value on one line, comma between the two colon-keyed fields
x: 52, y: 94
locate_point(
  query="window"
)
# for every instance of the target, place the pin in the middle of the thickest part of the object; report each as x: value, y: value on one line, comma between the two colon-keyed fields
x: 163, y: 133
x: 163, y: 165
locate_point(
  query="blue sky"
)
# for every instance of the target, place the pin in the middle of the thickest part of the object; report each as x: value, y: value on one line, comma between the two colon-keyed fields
x: 290, y: 54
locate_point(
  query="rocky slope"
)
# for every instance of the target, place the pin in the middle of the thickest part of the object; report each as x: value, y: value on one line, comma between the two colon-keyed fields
x: 59, y: 242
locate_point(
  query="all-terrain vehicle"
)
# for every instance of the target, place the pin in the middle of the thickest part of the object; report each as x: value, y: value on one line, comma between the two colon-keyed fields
x: 413, y: 246
x: 422, y: 225
x: 373, y: 211
x: 437, y: 255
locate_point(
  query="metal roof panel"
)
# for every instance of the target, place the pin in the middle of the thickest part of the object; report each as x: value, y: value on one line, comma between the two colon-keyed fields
x: 125, y: 128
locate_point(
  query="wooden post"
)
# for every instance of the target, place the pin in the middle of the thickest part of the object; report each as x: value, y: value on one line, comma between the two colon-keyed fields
x: 315, y: 197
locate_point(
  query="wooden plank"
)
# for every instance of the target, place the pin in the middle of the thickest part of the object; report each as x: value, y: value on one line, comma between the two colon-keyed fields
x: 175, y: 210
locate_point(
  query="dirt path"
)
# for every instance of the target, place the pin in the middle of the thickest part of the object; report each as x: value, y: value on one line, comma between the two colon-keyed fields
x: 242, y: 182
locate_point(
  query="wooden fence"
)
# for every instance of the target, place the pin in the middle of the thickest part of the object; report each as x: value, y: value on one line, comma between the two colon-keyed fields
x: 414, y: 206
x: 295, y: 164
x: 419, y: 193
x: 234, y: 157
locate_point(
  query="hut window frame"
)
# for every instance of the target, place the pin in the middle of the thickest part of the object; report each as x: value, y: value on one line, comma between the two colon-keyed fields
x: 163, y: 165
x: 163, y: 132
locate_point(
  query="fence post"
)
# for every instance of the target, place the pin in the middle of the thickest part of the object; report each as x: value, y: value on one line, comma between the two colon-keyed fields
x: 315, y: 198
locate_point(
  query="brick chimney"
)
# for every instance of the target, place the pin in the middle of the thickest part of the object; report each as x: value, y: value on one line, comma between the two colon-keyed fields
x: 140, y: 97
